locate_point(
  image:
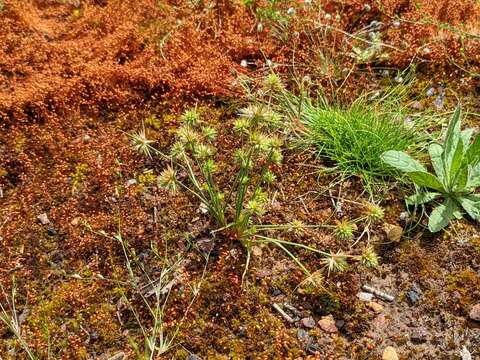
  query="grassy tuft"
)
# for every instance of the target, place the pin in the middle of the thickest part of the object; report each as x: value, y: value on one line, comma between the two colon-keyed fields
x: 354, y: 137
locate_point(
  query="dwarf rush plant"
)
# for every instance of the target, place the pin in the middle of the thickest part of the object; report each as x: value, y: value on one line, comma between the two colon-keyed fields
x: 194, y: 153
x: 456, y: 164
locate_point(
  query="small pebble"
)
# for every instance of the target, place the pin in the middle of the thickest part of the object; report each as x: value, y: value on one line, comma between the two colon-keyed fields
x: 431, y: 91
x: 192, y: 357
x: 365, y: 296
x: 131, y: 182
x: 376, y: 307
x: 257, y: 251
x: 389, y: 353
x: 465, y: 354
x: 413, y: 295
x: 303, y: 336
x: 404, y: 216
x: 118, y: 356
x: 51, y: 231
x: 394, y: 232
x: 475, y: 312
x: 439, y: 101
x: 417, y: 105
x: 308, y: 322
x: 203, y: 208
x: 43, y: 218
x: 327, y: 324
x: 313, y: 348
x: 276, y: 292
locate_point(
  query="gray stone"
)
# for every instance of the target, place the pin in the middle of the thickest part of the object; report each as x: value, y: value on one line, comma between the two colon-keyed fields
x: 43, y: 218
x: 365, y: 296
x: 475, y: 312
x: 118, y: 356
x: 327, y: 324
x: 308, y: 322
x: 431, y: 91
x: 131, y: 182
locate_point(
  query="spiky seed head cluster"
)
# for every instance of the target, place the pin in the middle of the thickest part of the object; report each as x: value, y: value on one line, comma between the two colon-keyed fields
x: 241, y: 125
x: 256, y: 205
x: 202, y: 151
x: 369, y: 257
x: 141, y: 144
x: 260, y: 140
x: 210, y: 166
x: 298, y: 227
x: 209, y: 132
x: 243, y: 158
x: 177, y: 149
x: 344, y: 230
x: 267, y: 145
x: 276, y: 156
x: 187, y: 135
x: 272, y: 82
x: 190, y: 117
x: 374, y: 213
x: 335, y: 262
x: 258, y: 116
x: 168, y: 179
x: 269, y: 177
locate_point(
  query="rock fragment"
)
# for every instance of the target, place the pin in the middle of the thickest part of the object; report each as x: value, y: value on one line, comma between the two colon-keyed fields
x: 327, y: 324
x: 376, y: 307
x: 43, y: 218
x: 365, y: 296
x: 475, y: 312
x: 308, y: 322
x: 389, y: 353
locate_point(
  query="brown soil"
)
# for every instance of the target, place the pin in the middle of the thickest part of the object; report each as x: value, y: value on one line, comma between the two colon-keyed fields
x: 78, y: 76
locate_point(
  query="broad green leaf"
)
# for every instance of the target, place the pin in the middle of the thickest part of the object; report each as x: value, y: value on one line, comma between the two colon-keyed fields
x: 402, y: 161
x: 458, y: 214
x: 461, y: 178
x: 473, y: 177
x: 466, y: 135
x: 442, y: 215
x: 472, y: 155
x: 456, y: 162
x: 471, y: 204
x: 451, y: 140
x: 435, y: 151
x: 422, y: 198
x: 427, y: 180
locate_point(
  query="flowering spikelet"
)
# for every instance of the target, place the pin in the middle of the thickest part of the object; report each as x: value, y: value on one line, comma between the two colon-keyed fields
x: 168, y: 179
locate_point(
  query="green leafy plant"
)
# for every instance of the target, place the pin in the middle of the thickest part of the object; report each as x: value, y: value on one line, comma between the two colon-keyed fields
x: 456, y: 164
